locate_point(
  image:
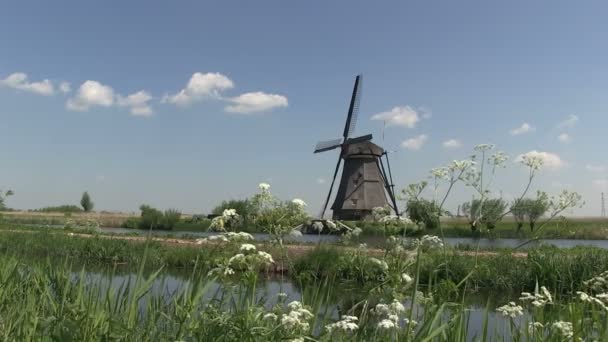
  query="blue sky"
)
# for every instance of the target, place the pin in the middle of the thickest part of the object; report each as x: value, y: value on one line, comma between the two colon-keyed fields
x: 269, y: 79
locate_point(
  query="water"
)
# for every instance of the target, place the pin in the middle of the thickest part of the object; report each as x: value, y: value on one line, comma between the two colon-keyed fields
x: 372, y: 241
x: 170, y: 283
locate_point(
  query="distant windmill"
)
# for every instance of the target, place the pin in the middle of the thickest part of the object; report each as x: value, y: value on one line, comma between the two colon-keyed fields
x: 365, y: 183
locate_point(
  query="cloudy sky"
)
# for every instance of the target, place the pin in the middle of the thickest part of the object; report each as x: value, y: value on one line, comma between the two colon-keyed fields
x: 182, y: 104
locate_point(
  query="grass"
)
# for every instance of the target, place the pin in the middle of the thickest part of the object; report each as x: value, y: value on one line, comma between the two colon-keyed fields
x: 42, y: 299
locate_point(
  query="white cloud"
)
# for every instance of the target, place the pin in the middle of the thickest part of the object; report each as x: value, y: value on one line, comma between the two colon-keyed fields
x: 564, y: 138
x: 255, y: 102
x: 321, y: 180
x: 452, y: 143
x: 415, y: 143
x: 200, y: 86
x: 138, y: 102
x: 405, y: 116
x: 601, y: 183
x: 65, y: 87
x: 20, y: 81
x: 596, y: 168
x: 91, y: 93
x: 523, y: 129
x: 570, y: 121
x: 552, y: 161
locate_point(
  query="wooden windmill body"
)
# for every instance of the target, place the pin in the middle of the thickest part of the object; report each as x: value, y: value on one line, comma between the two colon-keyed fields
x: 364, y: 184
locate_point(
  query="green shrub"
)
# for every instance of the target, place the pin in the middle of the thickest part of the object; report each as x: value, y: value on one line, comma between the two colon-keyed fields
x: 423, y: 213
x: 66, y: 208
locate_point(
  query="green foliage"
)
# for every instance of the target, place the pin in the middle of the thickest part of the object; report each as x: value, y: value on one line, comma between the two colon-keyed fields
x: 529, y: 208
x: 487, y: 212
x: 3, y: 196
x: 66, y: 208
x: 152, y: 218
x: 423, y: 213
x: 86, y: 203
x: 243, y: 207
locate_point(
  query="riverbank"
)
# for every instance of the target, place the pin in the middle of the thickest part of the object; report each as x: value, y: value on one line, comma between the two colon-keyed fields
x: 562, y: 269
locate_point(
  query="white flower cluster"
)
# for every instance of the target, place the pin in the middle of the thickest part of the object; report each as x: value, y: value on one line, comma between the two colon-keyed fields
x: 264, y: 187
x: 498, y: 159
x: 461, y: 165
x: 440, y: 173
x: 228, y: 213
x: 533, y: 327
x: 395, y: 219
x: 598, y: 283
x: 300, y: 203
x: 484, y: 147
x: 539, y: 299
x: 430, y: 242
x: 390, y: 316
x: 297, y: 317
x: 318, y: 226
x: 347, y: 325
x: 563, y: 328
x: 380, y: 263
x: 511, y: 310
x: 227, y: 237
x: 534, y: 161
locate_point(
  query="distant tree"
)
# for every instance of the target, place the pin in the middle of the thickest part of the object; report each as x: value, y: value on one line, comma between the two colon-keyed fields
x: 487, y: 212
x: 86, y: 202
x: 423, y: 212
x: 519, y: 210
x: 537, y: 208
x: 3, y: 197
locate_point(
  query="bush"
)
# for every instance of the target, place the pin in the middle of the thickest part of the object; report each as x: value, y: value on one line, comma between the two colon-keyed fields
x: 152, y: 218
x: 66, y: 208
x: 489, y: 212
x: 243, y: 207
x: 423, y: 213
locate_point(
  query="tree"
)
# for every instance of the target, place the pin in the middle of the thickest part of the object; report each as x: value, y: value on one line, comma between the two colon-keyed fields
x: 537, y: 208
x: 423, y: 212
x: 519, y: 210
x: 3, y: 197
x: 86, y: 202
x: 487, y: 212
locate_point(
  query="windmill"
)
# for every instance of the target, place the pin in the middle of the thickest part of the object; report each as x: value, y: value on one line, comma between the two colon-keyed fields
x: 364, y: 184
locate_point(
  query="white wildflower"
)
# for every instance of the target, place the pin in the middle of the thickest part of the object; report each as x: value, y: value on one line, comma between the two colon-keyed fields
x: 380, y: 263
x: 563, y: 328
x: 247, y: 247
x: 236, y: 258
x: 345, y: 325
x: 295, y: 305
x: 318, y: 226
x: 386, y: 324
x: 484, y: 147
x: 533, y: 326
x: 331, y: 225
x: 228, y: 213
x: 295, y: 233
x: 511, y: 310
x: 299, y: 202
x: 266, y: 257
x: 440, y: 173
x: 406, y: 278
x: 264, y: 186
x: 228, y: 271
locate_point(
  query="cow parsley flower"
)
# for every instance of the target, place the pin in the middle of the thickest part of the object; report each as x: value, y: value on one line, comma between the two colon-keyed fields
x: 484, y: 147
x: 264, y: 187
x: 247, y: 247
x: 346, y: 325
x: 406, y: 278
x: 511, y: 310
x: 534, y: 326
x: 270, y: 317
x: 298, y: 202
x: 381, y: 263
x: 386, y: 324
x: 266, y: 257
x: 318, y: 226
x: 563, y: 328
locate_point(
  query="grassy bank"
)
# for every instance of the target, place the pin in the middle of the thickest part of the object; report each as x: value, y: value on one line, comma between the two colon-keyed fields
x: 562, y: 270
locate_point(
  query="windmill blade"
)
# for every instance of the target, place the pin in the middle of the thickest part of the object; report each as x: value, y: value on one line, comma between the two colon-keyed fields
x: 331, y: 187
x: 323, y: 146
x: 360, y: 139
x: 353, y: 109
